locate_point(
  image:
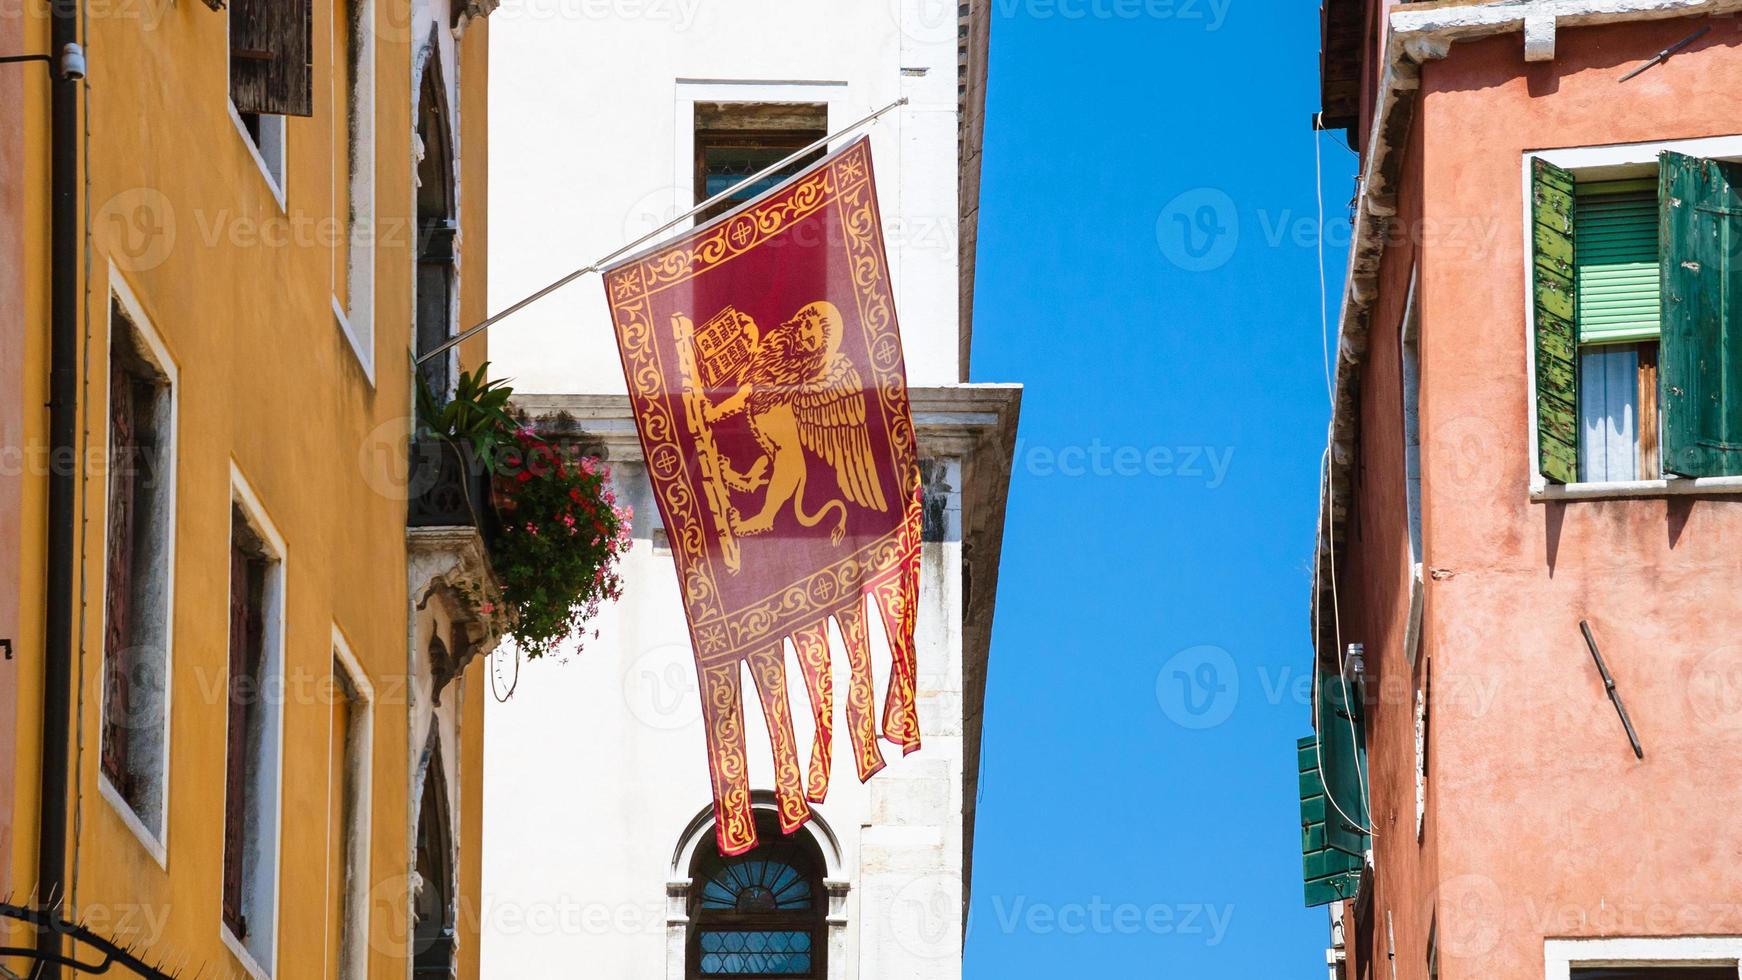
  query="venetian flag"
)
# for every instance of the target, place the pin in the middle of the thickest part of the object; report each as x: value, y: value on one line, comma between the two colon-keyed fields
x: 765, y: 371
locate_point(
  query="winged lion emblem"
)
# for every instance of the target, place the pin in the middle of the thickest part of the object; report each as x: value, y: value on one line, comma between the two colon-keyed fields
x: 801, y: 395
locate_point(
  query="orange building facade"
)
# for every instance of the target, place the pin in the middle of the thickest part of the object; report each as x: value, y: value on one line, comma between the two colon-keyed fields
x: 240, y: 737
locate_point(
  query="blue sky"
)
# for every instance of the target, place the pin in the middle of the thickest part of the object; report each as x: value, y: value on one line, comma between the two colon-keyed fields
x: 1138, y: 814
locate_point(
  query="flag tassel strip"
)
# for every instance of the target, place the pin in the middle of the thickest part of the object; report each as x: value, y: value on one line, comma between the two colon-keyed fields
x: 812, y: 645
x: 598, y: 265
x: 898, y: 602
x: 722, y: 691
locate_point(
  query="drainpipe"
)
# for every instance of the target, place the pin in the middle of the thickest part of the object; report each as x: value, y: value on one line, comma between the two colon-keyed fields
x: 63, y: 392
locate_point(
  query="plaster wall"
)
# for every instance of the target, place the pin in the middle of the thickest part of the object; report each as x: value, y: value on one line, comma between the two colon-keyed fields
x: 596, y: 765
x: 1540, y: 821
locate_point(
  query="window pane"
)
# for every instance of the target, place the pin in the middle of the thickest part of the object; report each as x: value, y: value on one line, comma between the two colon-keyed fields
x: 757, y: 886
x: 724, y: 162
x: 1608, y: 413
x: 777, y: 953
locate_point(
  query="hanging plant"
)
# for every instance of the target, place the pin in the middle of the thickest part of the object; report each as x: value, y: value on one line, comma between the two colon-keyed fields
x: 476, y: 417
x: 562, y: 535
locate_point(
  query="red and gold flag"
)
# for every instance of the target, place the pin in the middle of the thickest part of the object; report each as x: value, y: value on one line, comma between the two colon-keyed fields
x: 765, y: 371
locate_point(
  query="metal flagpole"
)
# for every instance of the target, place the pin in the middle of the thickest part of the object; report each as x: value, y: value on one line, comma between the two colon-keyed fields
x: 797, y: 154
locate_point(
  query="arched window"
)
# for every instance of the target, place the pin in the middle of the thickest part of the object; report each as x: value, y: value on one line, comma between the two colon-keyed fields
x: 433, y: 935
x: 760, y: 914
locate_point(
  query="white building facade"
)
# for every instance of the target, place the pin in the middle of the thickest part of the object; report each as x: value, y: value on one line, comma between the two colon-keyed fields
x: 609, y: 119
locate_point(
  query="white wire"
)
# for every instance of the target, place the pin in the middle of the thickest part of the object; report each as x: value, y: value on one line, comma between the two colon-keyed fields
x: 1342, y: 677
x: 1324, y: 319
x: 1330, y: 531
x: 1330, y: 536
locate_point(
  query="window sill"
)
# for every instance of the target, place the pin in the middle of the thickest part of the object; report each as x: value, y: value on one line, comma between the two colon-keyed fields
x: 243, y: 957
x: 1544, y: 492
x: 365, y: 357
x: 272, y: 182
x: 152, y: 844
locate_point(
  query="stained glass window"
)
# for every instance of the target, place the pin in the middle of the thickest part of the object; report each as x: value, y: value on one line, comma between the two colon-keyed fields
x: 757, y: 886
x: 760, y: 953
x: 758, y: 914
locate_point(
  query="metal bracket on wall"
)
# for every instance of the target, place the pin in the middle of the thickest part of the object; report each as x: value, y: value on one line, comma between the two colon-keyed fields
x: 6, y: 645
x: 1609, y: 686
x: 1663, y: 56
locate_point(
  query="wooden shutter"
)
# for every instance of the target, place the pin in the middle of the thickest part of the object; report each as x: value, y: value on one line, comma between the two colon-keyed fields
x: 1552, y: 290
x: 236, y: 759
x: 270, y: 46
x: 1329, y: 873
x: 1615, y: 266
x: 1343, y: 756
x: 1700, y: 363
x: 118, y: 579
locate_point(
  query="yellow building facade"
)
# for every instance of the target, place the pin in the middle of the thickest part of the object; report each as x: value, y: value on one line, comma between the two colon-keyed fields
x: 258, y: 618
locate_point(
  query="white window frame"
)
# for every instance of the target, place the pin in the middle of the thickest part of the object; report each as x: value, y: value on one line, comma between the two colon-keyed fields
x: 354, y: 285
x: 265, y: 965
x: 1409, y: 377
x: 1561, y: 955
x: 691, y: 91
x: 275, y: 134
x: 1421, y: 753
x: 354, y: 930
x: 442, y: 51
x: 155, y: 840
x: 1612, y: 161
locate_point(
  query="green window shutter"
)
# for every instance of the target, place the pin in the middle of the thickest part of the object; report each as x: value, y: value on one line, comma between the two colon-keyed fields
x: 1343, y: 750
x: 1700, y: 364
x: 1330, y: 874
x: 1333, y: 841
x: 1615, y: 266
x: 1552, y: 290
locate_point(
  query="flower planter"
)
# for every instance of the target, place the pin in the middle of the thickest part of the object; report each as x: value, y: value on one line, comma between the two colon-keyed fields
x: 448, y: 487
x: 562, y: 534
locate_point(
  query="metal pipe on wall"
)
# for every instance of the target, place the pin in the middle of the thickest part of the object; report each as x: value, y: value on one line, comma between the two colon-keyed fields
x: 62, y: 486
